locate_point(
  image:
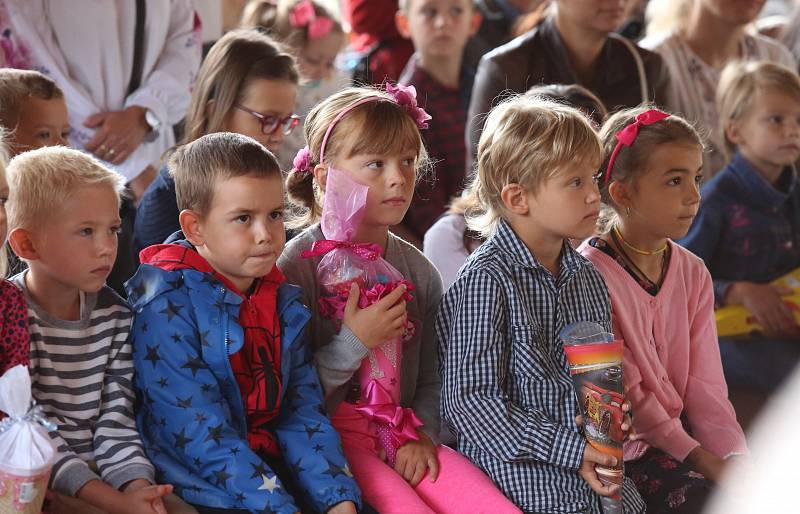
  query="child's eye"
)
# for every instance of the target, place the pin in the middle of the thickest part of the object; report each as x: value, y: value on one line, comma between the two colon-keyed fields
x: 409, y: 161
x: 65, y: 135
x: 3, y: 200
x: 244, y: 218
x: 576, y: 182
x: 777, y: 120
x: 429, y: 12
x: 375, y: 165
x: 276, y: 215
x: 86, y: 231
x: 457, y: 11
x: 698, y: 178
x: 116, y: 230
x: 676, y: 181
x: 44, y: 135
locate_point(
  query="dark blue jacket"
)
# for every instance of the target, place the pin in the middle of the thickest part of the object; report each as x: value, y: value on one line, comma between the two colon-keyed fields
x: 157, y: 214
x: 192, y: 421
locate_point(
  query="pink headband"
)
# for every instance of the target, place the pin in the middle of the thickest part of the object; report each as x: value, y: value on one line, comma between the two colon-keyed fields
x: 404, y: 96
x: 627, y: 136
x: 304, y: 15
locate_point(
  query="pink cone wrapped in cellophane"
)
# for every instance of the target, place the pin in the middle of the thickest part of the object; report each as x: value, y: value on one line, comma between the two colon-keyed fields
x: 343, y: 263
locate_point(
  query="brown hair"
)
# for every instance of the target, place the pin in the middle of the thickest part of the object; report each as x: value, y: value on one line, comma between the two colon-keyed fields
x: 16, y: 86
x: 632, y: 162
x: 198, y: 166
x: 233, y: 63
x: 526, y: 141
x: 739, y: 84
x: 274, y: 18
x: 573, y: 95
x: 381, y: 127
x: 40, y: 180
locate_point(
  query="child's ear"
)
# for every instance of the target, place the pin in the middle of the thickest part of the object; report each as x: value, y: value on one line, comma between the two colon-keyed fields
x: 21, y: 241
x: 619, y: 194
x: 475, y: 24
x: 733, y: 132
x: 515, y: 199
x: 320, y: 172
x: 401, y: 22
x: 192, y: 227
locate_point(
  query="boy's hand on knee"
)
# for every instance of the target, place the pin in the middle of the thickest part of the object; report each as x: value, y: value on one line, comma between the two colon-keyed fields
x: 343, y: 508
x: 414, y: 457
x: 380, y: 322
x: 592, y: 458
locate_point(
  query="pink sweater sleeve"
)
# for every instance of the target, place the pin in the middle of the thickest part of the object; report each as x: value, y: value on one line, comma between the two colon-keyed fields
x: 710, y: 413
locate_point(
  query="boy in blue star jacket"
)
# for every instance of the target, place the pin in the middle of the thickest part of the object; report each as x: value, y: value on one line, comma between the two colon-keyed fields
x: 231, y: 411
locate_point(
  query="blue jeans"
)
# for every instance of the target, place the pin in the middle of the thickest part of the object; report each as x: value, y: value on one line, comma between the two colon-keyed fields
x: 758, y: 363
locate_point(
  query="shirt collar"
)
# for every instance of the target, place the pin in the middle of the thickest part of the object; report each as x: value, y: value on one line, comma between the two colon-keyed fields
x: 759, y: 192
x: 510, y: 243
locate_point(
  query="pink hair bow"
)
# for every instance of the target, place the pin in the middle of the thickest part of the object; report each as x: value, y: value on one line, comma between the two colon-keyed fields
x: 304, y: 15
x: 406, y: 97
x: 367, y: 251
x: 628, y: 135
x: 302, y: 161
x: 398, y: 424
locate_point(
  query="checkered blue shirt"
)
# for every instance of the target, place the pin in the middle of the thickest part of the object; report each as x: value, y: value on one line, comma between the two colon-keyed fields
x: 506, y: 389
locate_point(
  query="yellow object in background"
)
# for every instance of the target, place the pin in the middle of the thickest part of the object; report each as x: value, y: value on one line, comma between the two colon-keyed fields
x: 735, y: 320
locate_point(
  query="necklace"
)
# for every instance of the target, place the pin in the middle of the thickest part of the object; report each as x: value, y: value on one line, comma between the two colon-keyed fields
x: 656, y: 285
x: 617, y: 234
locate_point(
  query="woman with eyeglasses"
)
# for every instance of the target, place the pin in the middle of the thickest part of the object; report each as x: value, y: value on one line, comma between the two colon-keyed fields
x: 248, y: 85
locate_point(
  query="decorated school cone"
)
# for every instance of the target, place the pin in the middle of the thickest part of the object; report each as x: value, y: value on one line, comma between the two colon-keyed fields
x: 595, y: 365
x: 26, y: 451
x: 343, y: 263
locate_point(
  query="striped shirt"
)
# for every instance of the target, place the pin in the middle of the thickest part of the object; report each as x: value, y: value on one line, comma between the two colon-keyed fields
x: 506, y: 389
x: 81, y: 374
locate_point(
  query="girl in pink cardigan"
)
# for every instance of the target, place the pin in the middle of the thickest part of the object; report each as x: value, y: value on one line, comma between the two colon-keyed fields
x: 663, y: 308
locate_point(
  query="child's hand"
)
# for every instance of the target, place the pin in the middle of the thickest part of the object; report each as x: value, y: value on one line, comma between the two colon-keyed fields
x: 706, y: 463
x: 343, y: 508
x: 147, y: 499
x: 414, y: 457
x: 592, y: 458
x: 627, y: 422
x: 766, y: 304
x: 378, y: 323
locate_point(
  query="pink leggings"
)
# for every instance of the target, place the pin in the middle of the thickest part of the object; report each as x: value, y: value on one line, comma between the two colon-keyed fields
x: 461, y: 487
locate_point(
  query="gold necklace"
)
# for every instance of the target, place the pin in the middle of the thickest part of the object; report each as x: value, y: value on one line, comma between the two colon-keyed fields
x: 616, y: 231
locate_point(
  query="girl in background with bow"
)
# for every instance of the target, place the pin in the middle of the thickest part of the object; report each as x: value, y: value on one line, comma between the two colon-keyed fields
x: 314, y: 37
x: 663, y: 308
x: 372, y: 138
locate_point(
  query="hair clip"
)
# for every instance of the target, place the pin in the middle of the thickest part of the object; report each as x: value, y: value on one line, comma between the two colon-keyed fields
x: 406, y: 97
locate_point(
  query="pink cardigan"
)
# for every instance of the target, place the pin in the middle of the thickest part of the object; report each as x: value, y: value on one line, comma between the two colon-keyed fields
x: 671, y: 363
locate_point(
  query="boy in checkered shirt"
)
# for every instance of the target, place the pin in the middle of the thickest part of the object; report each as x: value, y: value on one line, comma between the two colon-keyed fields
x: 506, y: 389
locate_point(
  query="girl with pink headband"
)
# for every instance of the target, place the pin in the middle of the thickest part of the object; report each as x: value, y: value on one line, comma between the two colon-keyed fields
x: 368, y: 140
x: 663, y: 308
x: 315, y: 37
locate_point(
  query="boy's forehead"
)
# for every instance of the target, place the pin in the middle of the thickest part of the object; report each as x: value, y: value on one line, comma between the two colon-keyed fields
x: 244, y: 190
x: 86, y: 203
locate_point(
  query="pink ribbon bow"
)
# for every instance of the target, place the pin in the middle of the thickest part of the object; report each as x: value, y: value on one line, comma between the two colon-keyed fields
x: 396, y: 425
x: 628, y: 135
x: 367, y: 251
x: 304, y: 15
x: 302, y: 161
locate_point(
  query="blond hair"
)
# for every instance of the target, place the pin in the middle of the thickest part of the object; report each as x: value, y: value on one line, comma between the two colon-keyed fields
x: 275, y: 18
x: 18, y: 85
x: 741, y: 81
x: 375, y: 127
x: 41, y: 180
x: 198, y: 166
x: 526, y: 141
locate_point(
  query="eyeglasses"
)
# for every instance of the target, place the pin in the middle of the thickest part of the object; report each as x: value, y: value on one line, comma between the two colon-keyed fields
x: 269, y: 124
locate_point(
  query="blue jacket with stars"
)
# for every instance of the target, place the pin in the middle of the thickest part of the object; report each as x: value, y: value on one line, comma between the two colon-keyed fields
x: 191, y: 416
